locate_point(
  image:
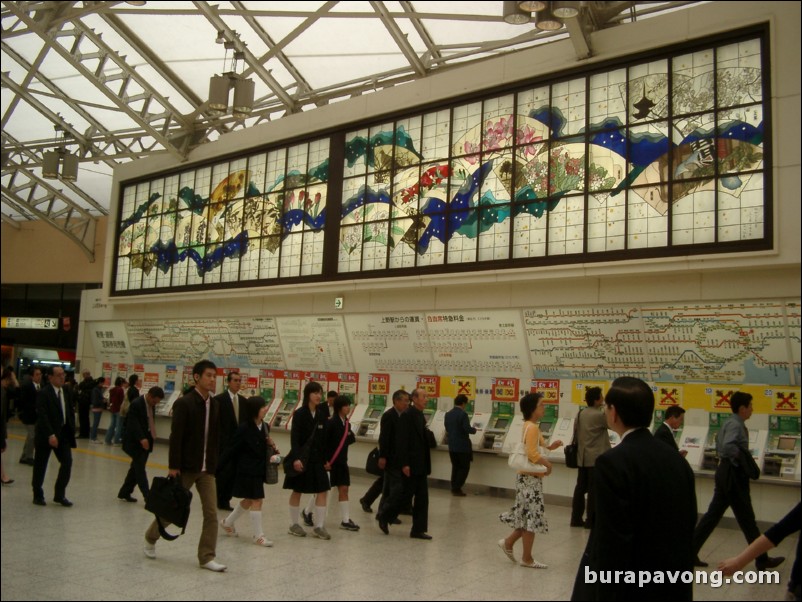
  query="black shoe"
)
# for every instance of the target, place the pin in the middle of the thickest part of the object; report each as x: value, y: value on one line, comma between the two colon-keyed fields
x: 365, y: 506
x: 420, y: 536
x: 458, y: 493
x: 63, y: 501
x: 769, y: 563
x: 383, y: 526
x: 700, y: 563
x: 127, y: 498
x: 395, y: 521
x: 226, y: 506
x: 307, y: 517
x: 39, y: 501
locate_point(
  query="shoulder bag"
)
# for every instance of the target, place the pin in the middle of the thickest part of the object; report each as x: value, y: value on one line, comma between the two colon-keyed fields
x: 572, y: 451
x: 372, y: 463
x: 519, y: 459
x: 169, y: 501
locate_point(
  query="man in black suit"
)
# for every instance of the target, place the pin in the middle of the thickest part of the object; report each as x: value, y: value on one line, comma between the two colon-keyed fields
x: 393, y: 492
x: 460, y: 450
x: 231, y: 411
x: 414, y: 455
x: 55, y: 431
x: 138, y: 439
x: 30, y: 391
x: 675, y: 416
x: 642, y: 486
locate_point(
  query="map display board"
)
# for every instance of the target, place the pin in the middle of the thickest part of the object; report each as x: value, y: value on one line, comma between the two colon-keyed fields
x: 748, y: 342
x: 478, y: 342
x: 315, y: 343
x: 396, y: 342
x: 243, y: 342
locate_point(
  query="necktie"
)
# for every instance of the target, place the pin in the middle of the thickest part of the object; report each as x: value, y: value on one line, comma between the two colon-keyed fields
x: 151, y: 423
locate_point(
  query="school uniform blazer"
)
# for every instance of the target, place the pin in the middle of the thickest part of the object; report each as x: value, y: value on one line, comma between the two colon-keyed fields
x: 137, y: 428
x: 664, y: 434
x: 334, y: 434
x: 645, y: 517
x: 48, y: 416
x: 304, y: 427
x: 413, y: 448
x: 248, y: 451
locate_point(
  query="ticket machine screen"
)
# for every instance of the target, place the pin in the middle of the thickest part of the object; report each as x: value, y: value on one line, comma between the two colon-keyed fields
x: 501, y: 423
x: 375, y: 414
x: 545, y: 427
x: 786, y: 443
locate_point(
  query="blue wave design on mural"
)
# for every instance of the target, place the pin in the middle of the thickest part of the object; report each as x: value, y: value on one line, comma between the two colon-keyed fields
x: 365, y: 196
x: 167, y: 254
x: 296, y: 216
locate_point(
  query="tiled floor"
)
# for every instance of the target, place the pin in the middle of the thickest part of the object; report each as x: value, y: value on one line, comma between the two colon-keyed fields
x: 93, y: 551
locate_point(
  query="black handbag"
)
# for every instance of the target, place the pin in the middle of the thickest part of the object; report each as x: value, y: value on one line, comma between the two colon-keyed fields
x: 170, y: 502
x: 430, y: 439
x: 372, y: 463
x: 572, y: 451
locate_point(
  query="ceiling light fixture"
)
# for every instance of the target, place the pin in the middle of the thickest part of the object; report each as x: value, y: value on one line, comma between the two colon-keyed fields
x: 546, y: 21
x: 532, y: 7
x: 221, y: 85
x: 565, y: 9
x: 60, y: 157
x: 514, y: 15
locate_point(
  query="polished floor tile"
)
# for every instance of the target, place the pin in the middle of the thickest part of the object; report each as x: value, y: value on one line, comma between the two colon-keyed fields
x: 93, y: 551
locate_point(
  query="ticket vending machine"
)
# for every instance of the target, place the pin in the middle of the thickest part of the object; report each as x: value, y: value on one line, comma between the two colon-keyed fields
x: 692, y: 440
x: 495, y: 433
x: 288, y: 404
x: 783, y: 447
x: 366, y: 419
x: 549, y: 421
x: 435, y: 419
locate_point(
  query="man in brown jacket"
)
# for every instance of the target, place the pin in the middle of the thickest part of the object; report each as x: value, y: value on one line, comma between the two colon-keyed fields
x: 194, y: 445
x: 593, y: 441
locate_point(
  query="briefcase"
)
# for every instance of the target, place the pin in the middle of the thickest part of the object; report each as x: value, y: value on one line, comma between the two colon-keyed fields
x: 170, y: 502
x: 372, y: 463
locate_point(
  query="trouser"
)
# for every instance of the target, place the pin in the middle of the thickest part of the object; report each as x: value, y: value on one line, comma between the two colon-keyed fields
x: 225, y: 483
x: 460, y: 467
x: 83, y: 419
x: 374, y: 492
x: 584, y: 484
x: 27, y: 448
x: 137, y: 475
x: 394, y: 495
x: 42, y: 456
x: 206, y: 487
x: 731, y: 491
x: 111, y: 431
x: 96, y: 416
x: 417, y: 490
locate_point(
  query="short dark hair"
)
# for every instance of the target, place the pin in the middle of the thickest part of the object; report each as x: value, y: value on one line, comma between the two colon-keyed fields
x: 118, y: 381
x: 592, y: 395
x: 460, y: 400
x: 202, y: 366
x: 311, y: 387
x: 252, y: 407
x: 156, y: 392
x: 528, y: 404
x: 399, y: 394
x: 331, y: 394
x: 738, y: 400
x: 340, y: 403
x: 230, y: 375
x: 633, y: 401
x: 674, y: 412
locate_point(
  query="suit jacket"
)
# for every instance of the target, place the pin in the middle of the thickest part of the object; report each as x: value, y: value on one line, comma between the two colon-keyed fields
x: 387, y: 439
x: 49, y: 420
x: 187, y: 433
x: 28, y: 402
x: 413, y: 447
x: 306, y: 426
x: 459, y: 429
x: 228, y: 419
x: 137, y: 428
x: 591, y: 436
x: 645, y: 517
x: 664, y: 434
x: 334, y: 434
x: 248, y: 451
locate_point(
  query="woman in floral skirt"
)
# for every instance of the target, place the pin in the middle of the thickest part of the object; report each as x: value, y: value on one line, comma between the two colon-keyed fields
x: 527, y: 515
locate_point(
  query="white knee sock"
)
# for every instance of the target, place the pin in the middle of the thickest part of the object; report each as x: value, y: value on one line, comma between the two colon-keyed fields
x: 320, y: 516
x: 256, y: 522
x: 232, y: 518
x: 345, y: 512
x: 295, y: 514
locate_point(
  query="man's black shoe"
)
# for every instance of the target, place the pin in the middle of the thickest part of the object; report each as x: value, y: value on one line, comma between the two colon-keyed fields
x: 39, y: 501
x: 63, y: 501
x: 769, y: 563
x: 383, y: 526
x: 420, y: 536
x: 127, y: 498
x: 365, y: 506
x: 395, y: 521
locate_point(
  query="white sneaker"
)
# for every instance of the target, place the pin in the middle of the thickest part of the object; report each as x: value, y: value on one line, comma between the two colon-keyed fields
x: 263, y: 541
x: 230, y: 531
x: 149, y: 549
x: 215, y: 566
